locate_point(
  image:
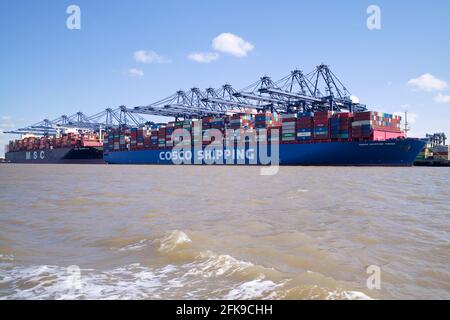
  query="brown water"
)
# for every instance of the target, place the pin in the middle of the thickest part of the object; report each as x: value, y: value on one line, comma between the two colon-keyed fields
x: 223, y: 232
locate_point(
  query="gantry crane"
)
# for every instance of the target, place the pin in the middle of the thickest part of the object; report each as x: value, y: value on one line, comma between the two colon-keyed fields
x: 109, y: 118
x: 318, y: 90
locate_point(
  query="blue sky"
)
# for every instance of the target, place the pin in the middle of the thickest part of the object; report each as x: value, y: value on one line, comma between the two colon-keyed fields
x: 48, y: 70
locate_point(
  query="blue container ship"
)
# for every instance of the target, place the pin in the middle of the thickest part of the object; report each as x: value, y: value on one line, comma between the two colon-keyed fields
x: 395, y: 152
x: 321, y: 138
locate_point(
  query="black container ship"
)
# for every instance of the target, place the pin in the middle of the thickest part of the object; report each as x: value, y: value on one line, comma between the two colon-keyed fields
x: 67, y: 149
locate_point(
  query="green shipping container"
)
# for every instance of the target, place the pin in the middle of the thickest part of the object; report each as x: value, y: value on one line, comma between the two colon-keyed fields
x: 288, y: 135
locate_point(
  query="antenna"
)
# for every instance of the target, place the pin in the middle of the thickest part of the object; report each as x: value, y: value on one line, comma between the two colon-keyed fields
x: 407, y: 128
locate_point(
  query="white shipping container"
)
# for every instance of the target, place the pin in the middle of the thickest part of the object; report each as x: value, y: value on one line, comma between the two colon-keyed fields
x: 360, y: 123
x: 288, y: 116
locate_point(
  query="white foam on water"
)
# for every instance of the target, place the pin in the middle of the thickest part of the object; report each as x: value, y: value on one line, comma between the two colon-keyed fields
x: 347, y: 295
x: 173, y: 240
x: 209, y: 276
x: 135, y: 246
x: 6, y: 257
x: 251, y: 290
x: 214, y: 265
x: 53, y: 282
x: 132, y: 281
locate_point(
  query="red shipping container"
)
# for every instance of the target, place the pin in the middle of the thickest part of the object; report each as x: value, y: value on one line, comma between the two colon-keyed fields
x: 162, y: 133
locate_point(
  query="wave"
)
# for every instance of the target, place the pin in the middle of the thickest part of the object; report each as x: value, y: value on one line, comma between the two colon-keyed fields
x: 6, y: 257
x: 252, y: 289
x: 141, y: 244
x: 174, y: 240
x: 202, y: 274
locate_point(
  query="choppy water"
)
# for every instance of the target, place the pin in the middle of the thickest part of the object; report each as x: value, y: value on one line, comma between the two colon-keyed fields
x: 222, y: 232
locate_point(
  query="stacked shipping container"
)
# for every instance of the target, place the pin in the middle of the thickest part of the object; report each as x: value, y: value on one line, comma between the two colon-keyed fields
x: 288, y: 127
x: 320, y: 125
x: 340, y: 126
x: 302, y: 127
x: 372, y: 125
x: 241, y: 121
x: 162, y: 137
x: 50, y: 142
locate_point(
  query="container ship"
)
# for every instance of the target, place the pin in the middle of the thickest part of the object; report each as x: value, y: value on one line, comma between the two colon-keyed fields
x: 68, y: 148
x: 301, y: 119
x: 304, y: 138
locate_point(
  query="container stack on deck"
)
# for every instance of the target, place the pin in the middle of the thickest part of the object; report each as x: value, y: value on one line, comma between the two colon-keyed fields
x: 302, y: 127
x: 170, y: 128
x: 136, y: 138
x: 108, y: 141
x: 188, y: 128
x: 262, y: 123
x: 241, y: 121
x: 152, y: 138
x: 340, y: 126
x: 141, y: 136
x: 377, y: 126
x: 133, y: 138
x: 51, y: 142
x: 288, y: 127
x: 321, y: 125
x: 196, y: 132
x: 124, y: 139
x: 217, y: 123
x: 162, y: 137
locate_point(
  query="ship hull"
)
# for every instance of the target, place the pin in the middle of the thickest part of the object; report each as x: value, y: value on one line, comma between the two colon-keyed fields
x: 400, y: 152
x: 89, y: 155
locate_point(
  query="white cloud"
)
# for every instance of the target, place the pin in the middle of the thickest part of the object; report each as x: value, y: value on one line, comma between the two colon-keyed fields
x: 428, y: 82
x: 440, y: 98
x: 143, y: 56
x: 135, y: 72
x: 203, y: 57
x: 232, y: 44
